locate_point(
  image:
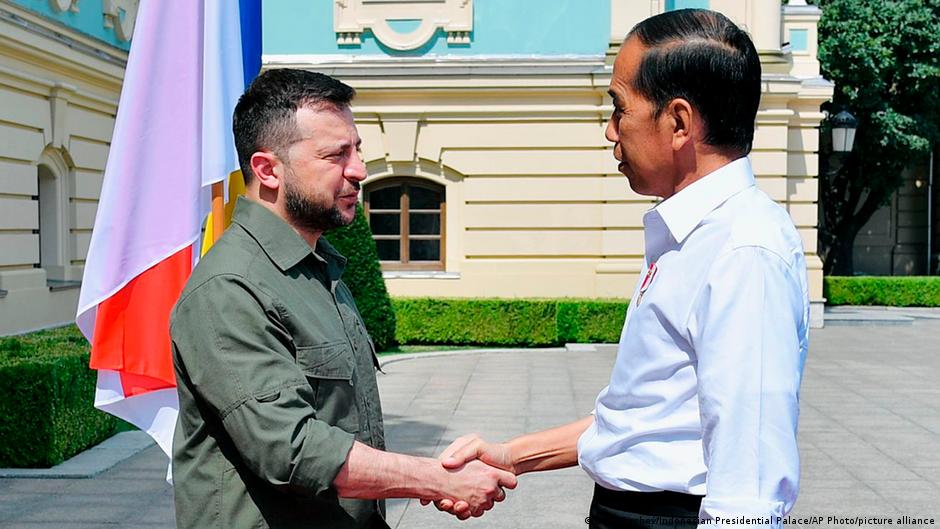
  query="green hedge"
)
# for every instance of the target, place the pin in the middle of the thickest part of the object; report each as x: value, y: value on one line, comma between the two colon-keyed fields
x: 891, y: 291
x: 47, y: 393
x: 590, y: 321
x: 363, y: 276
x: 507, y: 322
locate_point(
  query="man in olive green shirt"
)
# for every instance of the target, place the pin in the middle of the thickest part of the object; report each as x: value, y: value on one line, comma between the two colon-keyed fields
x: 280, y: 423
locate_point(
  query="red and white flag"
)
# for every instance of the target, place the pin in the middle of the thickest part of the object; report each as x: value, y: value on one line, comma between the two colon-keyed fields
x: 172, y: 139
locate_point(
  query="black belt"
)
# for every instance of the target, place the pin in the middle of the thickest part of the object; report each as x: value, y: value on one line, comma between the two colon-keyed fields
x: 661, y: 503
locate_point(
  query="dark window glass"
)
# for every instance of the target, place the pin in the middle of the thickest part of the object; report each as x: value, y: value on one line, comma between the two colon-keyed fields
x: 385, y: 223
x: 424, y: 250
x: 388, y: 198
x: 421, y: 198
x: 389, y: 250
x: 425, y: 223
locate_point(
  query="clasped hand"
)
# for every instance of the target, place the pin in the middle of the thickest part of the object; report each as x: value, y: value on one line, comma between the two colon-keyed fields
x: 487, y: 469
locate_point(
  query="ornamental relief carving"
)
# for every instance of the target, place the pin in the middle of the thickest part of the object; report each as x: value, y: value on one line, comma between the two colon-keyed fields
x: 64, y: 5
x: 402, y: 24
x: 121, y: 15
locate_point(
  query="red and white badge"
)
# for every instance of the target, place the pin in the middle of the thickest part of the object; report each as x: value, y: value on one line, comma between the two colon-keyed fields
x: 647, y: 281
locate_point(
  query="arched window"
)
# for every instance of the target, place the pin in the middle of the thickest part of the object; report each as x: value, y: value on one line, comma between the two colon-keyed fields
x: 51, y: 232
x: 407, y: 220
x: 55, y: 220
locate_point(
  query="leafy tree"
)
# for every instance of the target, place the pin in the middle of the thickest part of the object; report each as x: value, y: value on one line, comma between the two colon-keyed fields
x: 363, y: 276
x: 884, y: 57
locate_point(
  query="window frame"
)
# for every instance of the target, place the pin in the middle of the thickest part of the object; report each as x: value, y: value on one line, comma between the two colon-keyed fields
x: 404, y: 210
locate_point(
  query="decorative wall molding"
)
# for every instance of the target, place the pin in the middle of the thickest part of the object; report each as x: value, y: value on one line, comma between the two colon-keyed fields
x: 121, y: 15
x: 64, y: 5
x: 352, y: 17
x: 96, y: 67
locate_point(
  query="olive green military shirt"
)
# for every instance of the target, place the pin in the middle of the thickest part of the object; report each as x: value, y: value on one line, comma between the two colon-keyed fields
x: 276, y: 378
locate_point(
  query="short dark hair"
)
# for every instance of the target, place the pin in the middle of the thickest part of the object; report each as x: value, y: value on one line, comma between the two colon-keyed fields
x: 266, y: 114
x: 704, y: 58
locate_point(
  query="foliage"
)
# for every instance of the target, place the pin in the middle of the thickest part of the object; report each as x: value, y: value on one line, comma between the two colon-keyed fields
x: 890, y: 291
x: 507, y: 322
x: 884, y: 57
x: 363, y: 276
x: 517, y: 323
x: 46, y: 399
x: 590, y: 321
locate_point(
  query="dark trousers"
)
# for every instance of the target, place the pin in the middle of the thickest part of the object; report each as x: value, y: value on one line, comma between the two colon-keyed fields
x: 643, y: 510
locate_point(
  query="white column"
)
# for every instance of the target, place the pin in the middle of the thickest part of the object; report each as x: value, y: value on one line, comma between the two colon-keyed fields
x: 765, y: 24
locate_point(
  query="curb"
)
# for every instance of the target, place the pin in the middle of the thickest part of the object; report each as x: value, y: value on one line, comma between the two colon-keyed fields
x: 875, y: 315
x: 91, y: 462
x: 570, y: 348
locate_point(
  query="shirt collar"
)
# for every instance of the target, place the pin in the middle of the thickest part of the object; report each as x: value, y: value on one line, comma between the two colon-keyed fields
x: 684, y: 211
x: 284, y: 246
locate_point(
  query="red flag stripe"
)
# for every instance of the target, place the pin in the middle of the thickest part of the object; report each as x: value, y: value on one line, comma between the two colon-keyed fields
x: 136, y: 319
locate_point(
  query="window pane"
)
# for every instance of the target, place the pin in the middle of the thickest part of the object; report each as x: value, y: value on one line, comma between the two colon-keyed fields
x: 425, y: 223
x: 672, y: 5
x: 389, y: 250
x: 385, y: 198
x: 421, y: 198
x: 385, y: 223
x: 425, y: 250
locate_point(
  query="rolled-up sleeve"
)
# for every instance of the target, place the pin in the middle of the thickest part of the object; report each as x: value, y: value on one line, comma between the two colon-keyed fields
x: 238, y: 363
x: 748, y: 331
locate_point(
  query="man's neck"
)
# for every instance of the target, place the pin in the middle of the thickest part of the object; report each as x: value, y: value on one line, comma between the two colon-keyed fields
x: 269, y: 201
x: 312, y: 237
x: 702, y: 164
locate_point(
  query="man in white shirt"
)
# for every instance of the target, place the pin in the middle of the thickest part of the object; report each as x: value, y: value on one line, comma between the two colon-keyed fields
x: 698, y: 423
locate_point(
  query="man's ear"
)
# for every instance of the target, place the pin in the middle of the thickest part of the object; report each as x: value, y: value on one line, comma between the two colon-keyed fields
x: 680, y: 114
x: 267, y: 169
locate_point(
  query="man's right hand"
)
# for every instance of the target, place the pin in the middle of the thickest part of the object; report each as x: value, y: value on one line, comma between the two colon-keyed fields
x: 468, y: 449
x: 546, y: 450
x: 476, y: 487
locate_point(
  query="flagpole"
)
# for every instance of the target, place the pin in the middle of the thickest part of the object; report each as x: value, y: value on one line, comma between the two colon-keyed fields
x: 218, y: 210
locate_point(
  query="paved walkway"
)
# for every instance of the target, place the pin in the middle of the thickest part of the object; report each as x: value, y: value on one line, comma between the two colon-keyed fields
x: 869, y: 434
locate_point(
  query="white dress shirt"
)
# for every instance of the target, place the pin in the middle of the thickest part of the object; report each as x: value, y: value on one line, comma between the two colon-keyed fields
x: 704, y: 394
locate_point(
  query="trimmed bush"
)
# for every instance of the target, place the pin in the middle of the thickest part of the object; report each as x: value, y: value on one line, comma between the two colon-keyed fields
x: 507, y: 322
x: 47, y: 393
x: 891, y: 291
x: 590, y: 321
x: 363, y: 276
x: 515, y: 323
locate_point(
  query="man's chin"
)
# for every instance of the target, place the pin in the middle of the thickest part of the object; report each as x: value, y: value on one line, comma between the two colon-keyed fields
x: 636, y: 185
x: 345, y: 217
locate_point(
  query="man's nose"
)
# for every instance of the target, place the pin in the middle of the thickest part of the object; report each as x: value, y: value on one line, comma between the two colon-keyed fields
x: 355, y: 169
x: 612, y: 133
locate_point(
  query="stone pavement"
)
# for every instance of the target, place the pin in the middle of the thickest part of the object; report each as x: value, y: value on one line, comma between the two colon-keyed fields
x: 869, y: 435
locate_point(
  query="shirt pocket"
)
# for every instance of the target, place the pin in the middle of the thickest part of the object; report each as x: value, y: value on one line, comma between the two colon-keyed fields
x: 330, y: 369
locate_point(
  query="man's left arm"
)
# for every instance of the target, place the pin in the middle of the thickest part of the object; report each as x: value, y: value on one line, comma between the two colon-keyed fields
x: 746, y: 329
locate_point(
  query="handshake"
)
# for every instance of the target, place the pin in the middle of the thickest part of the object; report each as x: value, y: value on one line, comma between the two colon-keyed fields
x: 471, y: 475
x: 479, y: 472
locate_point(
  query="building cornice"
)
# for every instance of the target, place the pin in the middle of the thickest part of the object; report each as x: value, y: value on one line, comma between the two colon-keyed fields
x: 48, y: 46
x: 440, y: 65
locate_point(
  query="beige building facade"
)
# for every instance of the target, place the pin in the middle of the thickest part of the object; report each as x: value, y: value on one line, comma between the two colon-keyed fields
x: 532, y: 203
x: 489, y: 173
x: 59, y: 88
